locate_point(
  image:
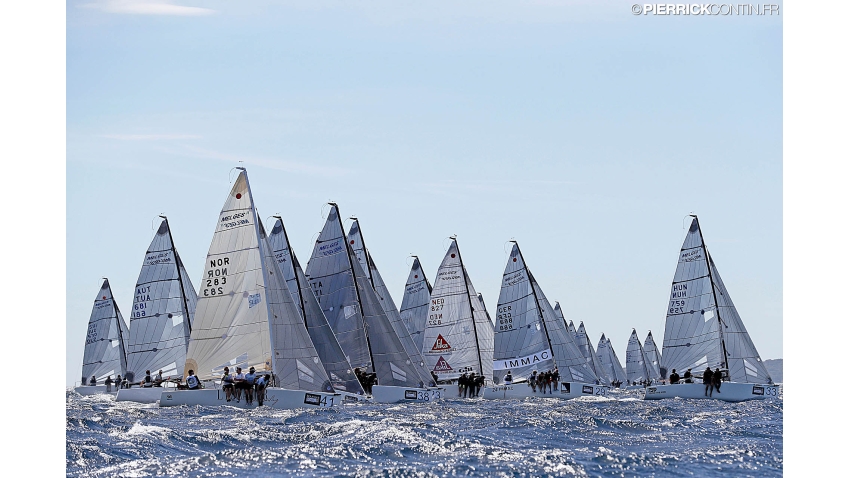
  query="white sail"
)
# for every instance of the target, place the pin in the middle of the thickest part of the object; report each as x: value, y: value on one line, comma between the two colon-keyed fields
x: 414, y: 303
x: 105, y: 351
x: 521, y: 340
x: 590, y: 355
x: 458, y: 335
x: 571, y: 328
x: 484, y: 308
x: 358, y: 244
x: 608, y: 358
x: 352, y: 307
x: 653, y: 356
x: 340, y: 371
x: 245, y: 314
x: 560, y: 313
x: 703, y: 328
x: 163, y: 311
x: 636, y: 367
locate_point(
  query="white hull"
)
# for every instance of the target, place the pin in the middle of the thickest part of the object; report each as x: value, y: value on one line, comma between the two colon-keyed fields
x: 275, y: 398
x: 390, y: 394
x: 566, y: 390
x: 729, y: 391
x: 142, y: 394
x: 94, y: 390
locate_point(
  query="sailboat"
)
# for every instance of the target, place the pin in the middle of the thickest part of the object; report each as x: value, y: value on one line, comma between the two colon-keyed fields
x: 590, y: 355
x: 358, y: 320
x: 414, y: 303
x: 653, y: 355
x: 639, y: 372
x: 610, y: 362
x: 703, y: 329
x: 339, y: 369
x: 530, y: 337
x: 364, y: 257
x: 105, y: 351
x: 161, y: 320
x: 245, y: 316
x: 458, y: 336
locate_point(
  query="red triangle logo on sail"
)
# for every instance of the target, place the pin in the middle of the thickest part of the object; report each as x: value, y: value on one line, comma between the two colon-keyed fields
x: 442, y: 365
x: 440, y: 344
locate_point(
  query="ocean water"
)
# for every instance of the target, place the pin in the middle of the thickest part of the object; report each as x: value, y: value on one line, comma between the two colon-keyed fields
x: 618, y: 436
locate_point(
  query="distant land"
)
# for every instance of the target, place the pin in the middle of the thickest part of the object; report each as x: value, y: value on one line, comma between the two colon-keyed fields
x: 774, y: 368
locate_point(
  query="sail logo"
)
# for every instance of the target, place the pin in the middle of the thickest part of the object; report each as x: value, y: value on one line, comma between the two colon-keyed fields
x: 442, y: 365
x: 522, y: 361
x: 253, y: 300
x: 440, y: 345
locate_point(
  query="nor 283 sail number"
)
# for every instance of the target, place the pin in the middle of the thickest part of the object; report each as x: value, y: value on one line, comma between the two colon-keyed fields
x: 216, y: 277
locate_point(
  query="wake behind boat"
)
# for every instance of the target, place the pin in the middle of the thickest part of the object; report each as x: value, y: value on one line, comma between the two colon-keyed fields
x: 703, y: 329
x: 246, y: 317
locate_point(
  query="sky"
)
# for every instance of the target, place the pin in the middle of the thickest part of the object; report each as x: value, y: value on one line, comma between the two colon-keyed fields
x: 576, y: 128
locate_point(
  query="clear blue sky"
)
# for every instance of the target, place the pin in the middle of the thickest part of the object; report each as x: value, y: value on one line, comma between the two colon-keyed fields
x: 580, y: 130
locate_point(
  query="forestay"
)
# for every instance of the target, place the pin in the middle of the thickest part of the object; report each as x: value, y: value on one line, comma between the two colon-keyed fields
x: 610, y: 362
x: 336, y: 364
x: 703, y: 327
x: 414, y: 303
x: 458, y: 337
x: 245, y: 314
x: 105, y: 352
x: 163, y: 311
x: 364, y: 257
x: 351, y: 306
x: 590, y: 355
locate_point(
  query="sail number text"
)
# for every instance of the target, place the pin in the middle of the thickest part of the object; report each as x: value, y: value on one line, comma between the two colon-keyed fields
x: 140, y: 301
x: 216, y: 277
x: 435, y: 315
x: 505, y: 319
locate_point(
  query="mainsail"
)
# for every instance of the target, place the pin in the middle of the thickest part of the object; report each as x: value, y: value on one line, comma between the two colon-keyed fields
x: 560, y: 313
x: 590, y: 355
x: 458, y: 337
x: 163, y: 311
x: 571, y: 328
x: 484, y: 307
x: 340, y: 371
x: 352, y: 307
x: 358, y: 245
x: 653, y: 356
x: 414, y: 304
x: 610, y: 362
x: 105, y: 352
x: 703, y: 328
x: 637, y: 369
x: 245, y: 314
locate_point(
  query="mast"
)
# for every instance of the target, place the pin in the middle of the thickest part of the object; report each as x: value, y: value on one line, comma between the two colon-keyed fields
x: 714, y: 294
x: 297, y: 282
x: 471, y: 310
x: 179, y: 279
x: 348, y: 253
x: 536, y: 302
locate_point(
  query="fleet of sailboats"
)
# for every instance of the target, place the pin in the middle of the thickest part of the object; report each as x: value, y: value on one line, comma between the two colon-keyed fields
x: 331, y: 333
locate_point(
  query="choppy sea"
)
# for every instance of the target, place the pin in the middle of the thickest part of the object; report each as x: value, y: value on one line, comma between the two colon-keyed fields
x: 618, y: 436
